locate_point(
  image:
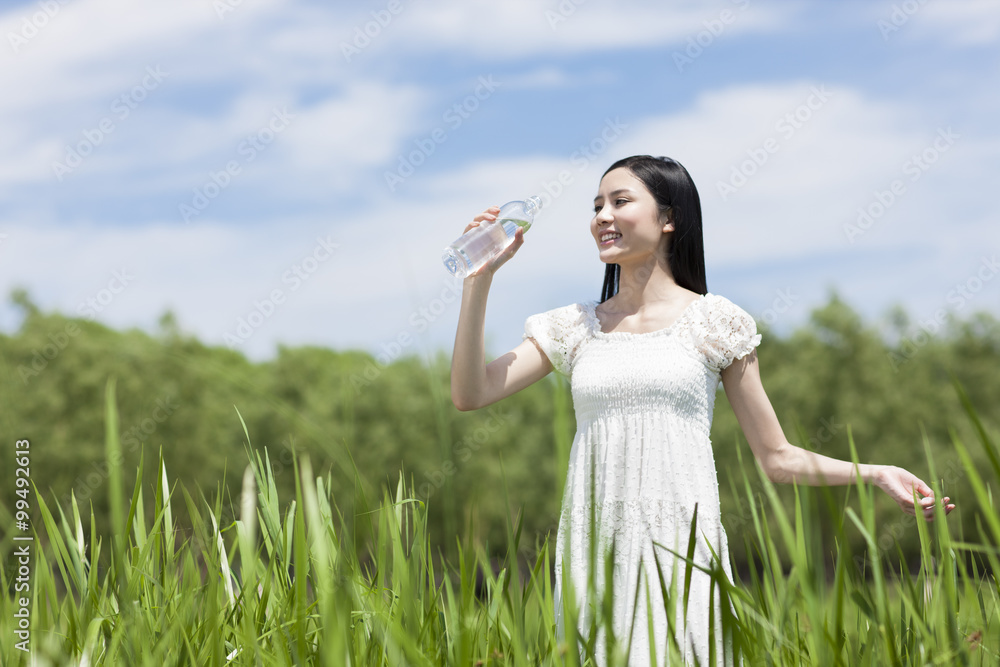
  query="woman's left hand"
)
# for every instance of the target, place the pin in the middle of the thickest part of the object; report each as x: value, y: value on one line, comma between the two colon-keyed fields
x: 900, y: 483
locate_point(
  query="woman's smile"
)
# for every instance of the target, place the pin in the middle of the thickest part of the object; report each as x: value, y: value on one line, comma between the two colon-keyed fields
x: 609, y: 237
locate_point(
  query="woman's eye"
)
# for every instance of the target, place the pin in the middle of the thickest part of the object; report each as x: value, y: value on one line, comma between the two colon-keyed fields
x: 620, y: 201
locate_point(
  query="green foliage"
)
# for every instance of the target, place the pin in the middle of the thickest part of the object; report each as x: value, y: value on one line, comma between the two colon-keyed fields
x: 343, y: 409
x: 292, y: 584
x: 365, y: 424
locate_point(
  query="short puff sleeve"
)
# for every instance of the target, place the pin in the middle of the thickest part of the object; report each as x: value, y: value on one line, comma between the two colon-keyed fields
x: 723, y: 332
x: 559, y: 334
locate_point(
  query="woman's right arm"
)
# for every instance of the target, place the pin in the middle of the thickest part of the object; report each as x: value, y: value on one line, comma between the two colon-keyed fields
x: 475, y: 384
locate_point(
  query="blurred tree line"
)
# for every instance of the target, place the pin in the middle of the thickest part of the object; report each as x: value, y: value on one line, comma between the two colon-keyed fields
x: 364, y: 422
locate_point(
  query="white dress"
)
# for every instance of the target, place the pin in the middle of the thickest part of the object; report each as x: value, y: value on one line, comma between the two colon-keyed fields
x: 644, y: 406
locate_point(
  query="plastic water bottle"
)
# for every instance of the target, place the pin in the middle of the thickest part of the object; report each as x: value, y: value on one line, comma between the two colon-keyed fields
x: 480, y: 244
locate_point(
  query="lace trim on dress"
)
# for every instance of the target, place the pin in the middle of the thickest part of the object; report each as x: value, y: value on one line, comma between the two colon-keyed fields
x: 593, y: 322
x: 559, y: 334
x: 719, y: 330
x: 722, y: 332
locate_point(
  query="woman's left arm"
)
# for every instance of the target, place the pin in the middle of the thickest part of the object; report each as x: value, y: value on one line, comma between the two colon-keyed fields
x: 783, y: 462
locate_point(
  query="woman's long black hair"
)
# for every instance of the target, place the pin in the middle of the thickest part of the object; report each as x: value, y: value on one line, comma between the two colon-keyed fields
x: 673, y: 189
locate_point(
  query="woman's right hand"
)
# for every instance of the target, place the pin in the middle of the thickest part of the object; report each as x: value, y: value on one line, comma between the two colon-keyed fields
x: 491, y: 266
x: 474, y: 383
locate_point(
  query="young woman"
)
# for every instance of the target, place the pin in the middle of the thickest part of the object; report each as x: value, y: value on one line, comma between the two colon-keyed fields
x: 644, y: 365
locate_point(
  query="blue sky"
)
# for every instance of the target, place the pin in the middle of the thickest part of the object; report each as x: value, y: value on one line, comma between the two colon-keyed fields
x: 227, y: 160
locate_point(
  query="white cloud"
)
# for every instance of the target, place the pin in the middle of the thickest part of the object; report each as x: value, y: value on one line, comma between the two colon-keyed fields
x: 362, y: 128
x: 215, y: 86
x: 353, y: 118
x: 210, y: 275
x: 780, y: 170
x: 87, y: 50
x: 963, y: 23
x: 308, y: 151
x: 522, y: 27
x: 550, y: 77
x: 795, y: 206
x: 387, y: 278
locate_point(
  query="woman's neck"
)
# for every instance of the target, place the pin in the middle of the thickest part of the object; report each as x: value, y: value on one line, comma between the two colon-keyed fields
x: 645, y: 282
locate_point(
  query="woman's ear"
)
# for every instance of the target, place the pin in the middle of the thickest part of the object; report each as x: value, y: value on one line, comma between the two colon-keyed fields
x: 668, y: 220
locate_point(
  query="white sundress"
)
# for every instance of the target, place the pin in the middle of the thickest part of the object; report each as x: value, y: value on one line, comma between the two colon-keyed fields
x: 644, y: 404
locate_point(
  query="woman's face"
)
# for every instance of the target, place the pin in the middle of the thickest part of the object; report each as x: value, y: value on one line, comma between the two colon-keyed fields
x: 627, y: 225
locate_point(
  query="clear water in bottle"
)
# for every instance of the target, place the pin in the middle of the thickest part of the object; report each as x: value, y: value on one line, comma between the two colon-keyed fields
x: 480, y: 244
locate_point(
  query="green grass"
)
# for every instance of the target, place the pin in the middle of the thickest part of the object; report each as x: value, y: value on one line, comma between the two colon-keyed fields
x: 305, y: 585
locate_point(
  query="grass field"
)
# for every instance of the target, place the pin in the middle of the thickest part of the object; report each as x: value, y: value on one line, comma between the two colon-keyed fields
x: 304, y: 585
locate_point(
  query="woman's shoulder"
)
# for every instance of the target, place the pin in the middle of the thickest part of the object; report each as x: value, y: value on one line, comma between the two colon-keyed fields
x: 717, y: 300
x: 715, y: 305
x: 571, y: 316
x: 723, y: 331
x: 571, y: 309
x: 561, y: 332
